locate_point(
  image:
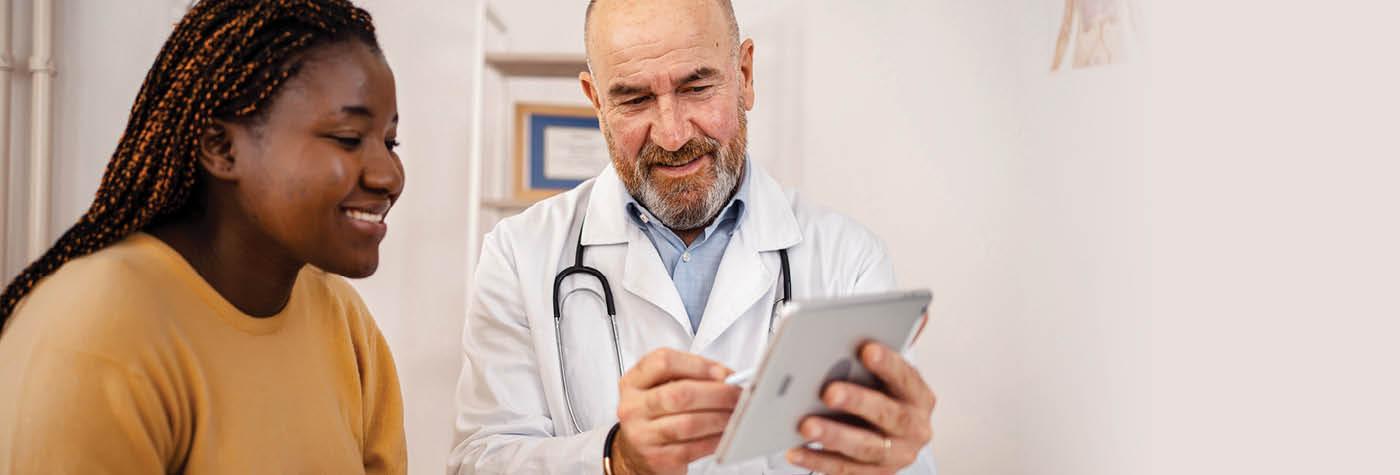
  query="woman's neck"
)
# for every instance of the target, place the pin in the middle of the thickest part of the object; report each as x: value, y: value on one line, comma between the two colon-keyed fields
x: 246, y: 268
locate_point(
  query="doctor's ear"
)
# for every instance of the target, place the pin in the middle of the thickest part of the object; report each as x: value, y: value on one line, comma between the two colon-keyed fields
x: 216, y: 150
x: 585, y: 81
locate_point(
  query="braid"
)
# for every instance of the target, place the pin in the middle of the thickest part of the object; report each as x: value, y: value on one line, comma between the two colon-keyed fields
x: 225, y: 60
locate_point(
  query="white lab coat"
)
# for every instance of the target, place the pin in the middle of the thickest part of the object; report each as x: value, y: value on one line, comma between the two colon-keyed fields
x: 511, y: 415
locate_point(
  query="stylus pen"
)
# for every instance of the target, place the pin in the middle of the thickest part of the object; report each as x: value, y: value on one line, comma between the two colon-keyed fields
x: 740, y: 378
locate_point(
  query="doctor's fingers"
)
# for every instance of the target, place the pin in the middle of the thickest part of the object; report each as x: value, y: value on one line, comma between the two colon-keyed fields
x: 682, y: 428
x: 858, y: 444
x: 665, y: 364
x: 678, y: 397
x: 892, y: 417
x: 821, y: 461
x: 902, y: 379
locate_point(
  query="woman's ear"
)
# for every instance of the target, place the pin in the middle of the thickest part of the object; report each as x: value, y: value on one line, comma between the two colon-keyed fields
x: 216, y: 151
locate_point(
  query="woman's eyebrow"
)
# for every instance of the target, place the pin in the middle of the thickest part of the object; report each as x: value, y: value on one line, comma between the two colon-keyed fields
x: 365, y: 112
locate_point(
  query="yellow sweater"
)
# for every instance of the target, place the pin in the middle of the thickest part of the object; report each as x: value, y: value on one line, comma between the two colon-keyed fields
x: 126, y: 361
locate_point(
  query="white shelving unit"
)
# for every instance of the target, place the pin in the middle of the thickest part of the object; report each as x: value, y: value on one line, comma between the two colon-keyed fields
x: 542, y: 65
x: 491, y: 194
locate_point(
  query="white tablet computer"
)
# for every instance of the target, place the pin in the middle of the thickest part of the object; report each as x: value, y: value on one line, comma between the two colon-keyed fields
x: 816, y: 343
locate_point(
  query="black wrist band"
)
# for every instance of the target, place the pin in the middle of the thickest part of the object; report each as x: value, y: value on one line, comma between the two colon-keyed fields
x: 607, y: 448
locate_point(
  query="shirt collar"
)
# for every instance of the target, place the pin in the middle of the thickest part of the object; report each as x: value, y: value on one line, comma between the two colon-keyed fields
x: 734, y: 210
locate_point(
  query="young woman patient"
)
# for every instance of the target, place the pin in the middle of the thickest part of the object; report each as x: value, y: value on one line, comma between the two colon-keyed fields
x: 193, y: 319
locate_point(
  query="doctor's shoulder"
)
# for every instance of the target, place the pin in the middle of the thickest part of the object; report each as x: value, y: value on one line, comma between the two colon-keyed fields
x: 846, y: 248
x: 827, y: 225
x: 545, y: 216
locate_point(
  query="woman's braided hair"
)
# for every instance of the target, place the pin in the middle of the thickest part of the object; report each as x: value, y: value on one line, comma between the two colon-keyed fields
x: 225, y: 60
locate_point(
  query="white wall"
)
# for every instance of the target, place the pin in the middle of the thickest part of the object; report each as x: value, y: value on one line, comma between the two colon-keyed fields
x: 102, y: 51
x: 1272, y: 190
x: 1014, y: 194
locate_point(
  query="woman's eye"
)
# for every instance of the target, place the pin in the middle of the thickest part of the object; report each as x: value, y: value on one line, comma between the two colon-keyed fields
x: 348, y: 142
x: 391, y: 144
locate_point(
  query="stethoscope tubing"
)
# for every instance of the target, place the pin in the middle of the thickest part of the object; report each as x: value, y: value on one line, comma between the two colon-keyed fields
x: 579, y: 268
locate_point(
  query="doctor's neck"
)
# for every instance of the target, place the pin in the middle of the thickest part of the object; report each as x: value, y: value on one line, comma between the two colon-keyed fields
x: 691, y: 233
x: 688, y: 236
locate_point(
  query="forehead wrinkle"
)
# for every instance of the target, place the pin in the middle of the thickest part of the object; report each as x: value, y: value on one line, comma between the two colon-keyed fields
x: 681, y: 69
x: 623, y: 45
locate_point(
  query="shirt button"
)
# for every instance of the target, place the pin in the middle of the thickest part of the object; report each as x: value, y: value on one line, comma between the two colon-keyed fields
x: 645, y: 219
x: 685, y: 257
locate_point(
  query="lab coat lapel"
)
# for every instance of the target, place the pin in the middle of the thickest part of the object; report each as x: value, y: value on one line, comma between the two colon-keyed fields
x: 742, y: 280
x: 645, y: 276
x: 745, y: 275
x: 643, y: 273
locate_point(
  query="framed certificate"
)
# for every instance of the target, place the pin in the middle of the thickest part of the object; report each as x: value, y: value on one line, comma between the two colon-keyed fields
x: 556, y: 148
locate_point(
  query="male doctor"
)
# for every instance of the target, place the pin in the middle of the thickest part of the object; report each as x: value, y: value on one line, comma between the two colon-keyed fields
x: 688, y: 235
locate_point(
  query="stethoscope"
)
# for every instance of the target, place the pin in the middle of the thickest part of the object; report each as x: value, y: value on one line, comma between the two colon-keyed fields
x: 579, y: 268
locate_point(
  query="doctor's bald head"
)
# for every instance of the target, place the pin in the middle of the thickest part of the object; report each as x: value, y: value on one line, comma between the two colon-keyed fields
x: 671, y: 83
x: 726, y: 7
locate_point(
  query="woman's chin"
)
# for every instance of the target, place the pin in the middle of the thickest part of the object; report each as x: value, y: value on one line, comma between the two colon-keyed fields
x: 353, y: 269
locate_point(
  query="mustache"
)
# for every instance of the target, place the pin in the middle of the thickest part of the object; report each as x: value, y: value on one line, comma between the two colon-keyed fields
x: 653, y: 155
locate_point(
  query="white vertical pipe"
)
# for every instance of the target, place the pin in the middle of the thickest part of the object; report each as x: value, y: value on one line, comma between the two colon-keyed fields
x: 7, y: 68
x: 40, y: 117
x: 473, y: 177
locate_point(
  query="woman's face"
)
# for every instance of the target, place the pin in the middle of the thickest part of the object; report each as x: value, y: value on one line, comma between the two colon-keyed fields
x: 317, y: 176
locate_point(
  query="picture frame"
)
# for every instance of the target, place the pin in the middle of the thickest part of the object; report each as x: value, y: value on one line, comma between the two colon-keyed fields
x: 557, y: 147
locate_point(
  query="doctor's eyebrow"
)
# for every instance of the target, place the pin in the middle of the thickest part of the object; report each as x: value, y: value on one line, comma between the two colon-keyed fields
x: 701, y: 73
x: 622, y: 90
x: 619, y: 90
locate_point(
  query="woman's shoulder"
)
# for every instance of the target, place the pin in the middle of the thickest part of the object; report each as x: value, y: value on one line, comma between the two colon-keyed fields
x: 105, y: 299
x: 125, y: 274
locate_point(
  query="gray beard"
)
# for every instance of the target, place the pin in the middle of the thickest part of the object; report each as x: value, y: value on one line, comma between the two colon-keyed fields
x: 728, y: 168
x: 685, y: 218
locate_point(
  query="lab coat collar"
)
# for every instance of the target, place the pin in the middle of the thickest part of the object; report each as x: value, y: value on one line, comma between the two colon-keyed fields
x: 743, y: 278
x: 605, y: 222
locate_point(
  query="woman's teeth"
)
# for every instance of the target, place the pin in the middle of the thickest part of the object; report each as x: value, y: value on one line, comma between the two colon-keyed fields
x: 364, y: 216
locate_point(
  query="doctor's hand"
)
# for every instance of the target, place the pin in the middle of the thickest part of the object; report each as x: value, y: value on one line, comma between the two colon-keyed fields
x: 898, y: 419
x: 672, y: 407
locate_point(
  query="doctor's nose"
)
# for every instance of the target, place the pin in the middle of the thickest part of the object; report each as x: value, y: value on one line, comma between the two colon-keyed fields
x: 672, y: 129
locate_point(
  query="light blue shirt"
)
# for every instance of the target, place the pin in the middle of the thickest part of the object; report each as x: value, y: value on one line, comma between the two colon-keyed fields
x: 693, y: 267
